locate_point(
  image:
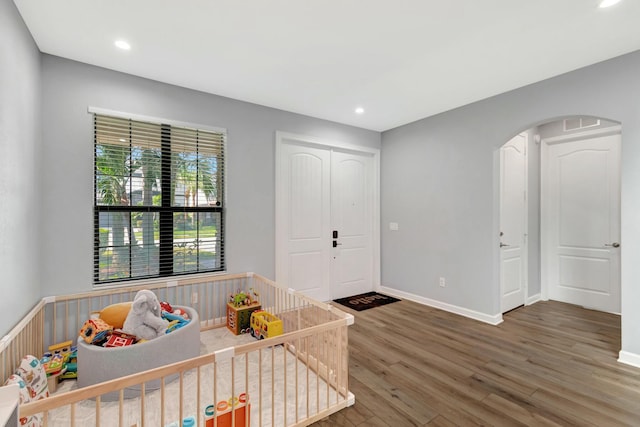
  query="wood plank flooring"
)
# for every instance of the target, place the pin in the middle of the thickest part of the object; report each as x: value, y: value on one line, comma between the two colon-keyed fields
x: 547, y: 364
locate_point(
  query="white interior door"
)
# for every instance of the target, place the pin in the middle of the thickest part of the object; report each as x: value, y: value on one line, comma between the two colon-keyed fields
x: 581, y: 221
x: 513, y: 214
x: 321, y: 190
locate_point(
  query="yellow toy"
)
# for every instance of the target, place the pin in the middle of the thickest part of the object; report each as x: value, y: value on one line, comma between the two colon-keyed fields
x: 265, y: 325
x: 63, y: 348
x: 115, y: 314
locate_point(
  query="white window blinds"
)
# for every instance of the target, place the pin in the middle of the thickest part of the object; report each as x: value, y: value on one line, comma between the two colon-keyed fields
x: 158, y: 199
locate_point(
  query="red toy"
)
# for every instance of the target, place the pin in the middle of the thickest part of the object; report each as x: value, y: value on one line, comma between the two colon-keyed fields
x: 165, y: 306
x: 120, y: 339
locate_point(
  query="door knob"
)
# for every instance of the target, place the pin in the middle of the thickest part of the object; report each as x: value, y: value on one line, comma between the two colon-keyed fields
x: 335, y: 243
x: 614, y: 244
x: 502, y: 245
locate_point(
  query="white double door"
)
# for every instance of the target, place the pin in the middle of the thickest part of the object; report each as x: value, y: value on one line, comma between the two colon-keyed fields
x: 581, y: 221
x: 325, y: 210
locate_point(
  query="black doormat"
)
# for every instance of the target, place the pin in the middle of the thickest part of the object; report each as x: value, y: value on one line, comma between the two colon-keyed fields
x: 366, y: 300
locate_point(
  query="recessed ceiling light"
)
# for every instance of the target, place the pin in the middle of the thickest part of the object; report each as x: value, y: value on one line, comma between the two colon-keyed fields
x: 122, y: 44
x: 359, y: 110
x: 608, y: 3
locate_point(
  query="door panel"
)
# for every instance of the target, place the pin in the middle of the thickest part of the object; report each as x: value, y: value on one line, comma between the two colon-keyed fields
x: 352, y: 216
x: 583, y: 217
x: 512, y: 222
x: 303, y: 220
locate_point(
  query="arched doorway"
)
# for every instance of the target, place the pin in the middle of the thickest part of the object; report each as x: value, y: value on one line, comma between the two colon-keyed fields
x: 571, y: 223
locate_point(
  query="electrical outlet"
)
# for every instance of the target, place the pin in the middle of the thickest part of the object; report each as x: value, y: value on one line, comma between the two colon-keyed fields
x: 442, y: 282
x: 194, y: 298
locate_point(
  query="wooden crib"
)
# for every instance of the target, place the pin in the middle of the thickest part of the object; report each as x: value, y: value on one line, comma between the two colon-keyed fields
x: 293, y: 379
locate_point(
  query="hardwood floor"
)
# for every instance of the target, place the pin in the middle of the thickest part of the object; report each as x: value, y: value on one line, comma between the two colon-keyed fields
x: 547, y: 364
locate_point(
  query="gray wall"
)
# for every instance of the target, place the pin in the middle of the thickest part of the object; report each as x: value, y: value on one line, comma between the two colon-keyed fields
x: 69, y: 88
x: 438, y: 183
x: 20, y: 182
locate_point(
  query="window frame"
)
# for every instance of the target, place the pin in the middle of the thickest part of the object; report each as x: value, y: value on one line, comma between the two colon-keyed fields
x: 165, y: 210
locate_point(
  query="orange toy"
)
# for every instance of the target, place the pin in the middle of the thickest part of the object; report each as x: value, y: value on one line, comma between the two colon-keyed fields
x: 116, y: 314
x: 222, y: 416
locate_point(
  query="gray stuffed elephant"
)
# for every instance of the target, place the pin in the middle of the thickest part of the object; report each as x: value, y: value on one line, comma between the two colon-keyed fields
x: 145, y: 317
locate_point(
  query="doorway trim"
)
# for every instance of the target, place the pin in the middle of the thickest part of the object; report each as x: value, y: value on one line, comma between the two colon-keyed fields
x: 280, y: 138
x: 544, y: 160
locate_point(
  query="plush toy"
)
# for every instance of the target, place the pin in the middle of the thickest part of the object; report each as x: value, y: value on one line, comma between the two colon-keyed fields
x: 144, y: 319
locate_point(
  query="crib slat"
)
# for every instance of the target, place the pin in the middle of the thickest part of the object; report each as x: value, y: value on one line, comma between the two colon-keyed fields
x: 162, y: 394
x: 181, y: 413
x: 260, y: 386
x: 98, y: 411
x: 121, y: 409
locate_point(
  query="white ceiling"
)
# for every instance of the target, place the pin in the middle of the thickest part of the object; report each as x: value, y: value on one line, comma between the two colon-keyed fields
x: 401, y: 60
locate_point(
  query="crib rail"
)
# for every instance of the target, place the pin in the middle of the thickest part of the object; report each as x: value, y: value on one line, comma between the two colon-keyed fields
x: 272, y: 373
x: 24, y: 338
x: 315, y: 341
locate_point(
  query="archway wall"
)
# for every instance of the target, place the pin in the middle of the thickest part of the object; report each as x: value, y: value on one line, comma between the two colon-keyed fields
x: 439, y: 183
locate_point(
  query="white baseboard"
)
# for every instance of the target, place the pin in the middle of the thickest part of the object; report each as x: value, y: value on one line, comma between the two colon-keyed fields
x: 533, y: 299
x: 629, y: 358
x: 476, y: 315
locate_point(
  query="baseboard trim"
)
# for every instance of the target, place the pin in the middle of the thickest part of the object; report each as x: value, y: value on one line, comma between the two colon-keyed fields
x: 476, y: 315
x: 629, y: 358
x: 533, y: 299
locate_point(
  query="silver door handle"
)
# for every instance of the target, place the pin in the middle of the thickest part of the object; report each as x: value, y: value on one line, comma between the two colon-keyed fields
x: 502, y: 245
x: 614, y: 244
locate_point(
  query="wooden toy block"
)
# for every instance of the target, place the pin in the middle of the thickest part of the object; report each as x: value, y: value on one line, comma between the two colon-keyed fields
x: 239, y: 318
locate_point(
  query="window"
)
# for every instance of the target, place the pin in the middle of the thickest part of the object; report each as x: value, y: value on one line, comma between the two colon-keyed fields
x: 158, y: 199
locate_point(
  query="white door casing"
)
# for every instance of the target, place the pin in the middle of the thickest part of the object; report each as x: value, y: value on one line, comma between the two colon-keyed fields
x: 322, y: 187
x: 513, y: 223
x: 581, y: 219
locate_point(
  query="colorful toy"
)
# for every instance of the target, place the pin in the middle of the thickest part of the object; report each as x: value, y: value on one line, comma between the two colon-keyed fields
x: 265, y: 325
x: 180, y: 312
x: 221, y: 416
x: 52, y: 363
x: 165, y: 306
x: 120, y: 339
x: 238, y: 318
x: 176, y: 321
x: 72, y: 366
x: 94, y: 331
x: 241, y: 298
x: 63, y: 348
x: 60, y: 363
